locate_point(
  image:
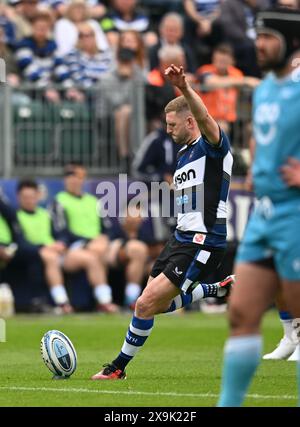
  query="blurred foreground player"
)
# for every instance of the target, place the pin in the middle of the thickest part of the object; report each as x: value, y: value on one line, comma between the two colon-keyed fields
x: 270, y: 249
x: 288, y: 347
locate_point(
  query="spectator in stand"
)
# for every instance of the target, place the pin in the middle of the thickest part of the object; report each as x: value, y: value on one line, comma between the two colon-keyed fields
x: 12, y: 71
x: 171, y: 32
x: 115, y: 98
x: 40, y: 231
x: 159, y: 91
x: 156, y: 9
x: 124, y: 15
x: 66, y: 28
x: 96, y: 9
x: 132, y: 40
x: 222, y: 80
x: 37, y: 59
x: 86, y: 63
x: 202, y: 28
x: 58, y: 7
x: 7, y: 25
x: 237, y: 22
x: 24, y: 13
x: 88, y: 246
x: 169, y: 54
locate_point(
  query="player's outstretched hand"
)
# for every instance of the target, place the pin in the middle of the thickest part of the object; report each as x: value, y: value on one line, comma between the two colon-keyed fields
x: 176, y: 76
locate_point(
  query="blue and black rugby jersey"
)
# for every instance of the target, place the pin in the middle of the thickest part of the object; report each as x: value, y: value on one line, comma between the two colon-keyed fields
x: 202, y: 180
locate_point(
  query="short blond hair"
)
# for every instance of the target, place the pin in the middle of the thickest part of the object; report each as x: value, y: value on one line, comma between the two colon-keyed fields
x: 178, y: 105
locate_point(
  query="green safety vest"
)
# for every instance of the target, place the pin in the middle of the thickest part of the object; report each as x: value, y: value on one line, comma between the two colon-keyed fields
x: 36, y: 226
x: 5, y: 232
x: 82, y: 216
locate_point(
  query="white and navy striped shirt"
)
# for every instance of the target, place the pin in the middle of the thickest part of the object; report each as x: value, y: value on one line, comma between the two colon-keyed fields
x: 202, y: 180
x: 85, y: 70
x: 207, y: 7
x: 139, y: 22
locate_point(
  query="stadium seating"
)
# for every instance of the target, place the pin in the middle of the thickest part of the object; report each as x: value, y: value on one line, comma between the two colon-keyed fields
x: 73, y: 134
x: 45, y: 133
x: 33, y: 133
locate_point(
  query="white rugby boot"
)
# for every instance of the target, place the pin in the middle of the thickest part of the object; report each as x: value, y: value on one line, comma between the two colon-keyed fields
x: 295, y: 356
x: 284, y: 350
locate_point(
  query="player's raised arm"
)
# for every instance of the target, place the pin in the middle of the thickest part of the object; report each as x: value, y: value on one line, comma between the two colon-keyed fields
x: 207, y: 125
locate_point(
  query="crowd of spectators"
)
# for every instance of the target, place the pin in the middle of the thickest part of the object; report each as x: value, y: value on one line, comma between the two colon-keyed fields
x: 198, y: 26
x: 78, y: 42
x: 81, y: 45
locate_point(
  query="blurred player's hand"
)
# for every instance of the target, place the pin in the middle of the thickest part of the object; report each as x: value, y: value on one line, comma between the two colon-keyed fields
x: 290, y: 172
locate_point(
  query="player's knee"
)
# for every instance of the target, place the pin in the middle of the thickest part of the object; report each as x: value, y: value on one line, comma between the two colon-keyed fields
x: 243, y: 318
x: 237, y: 316
x: 145, y: 307
x: 137, y: 249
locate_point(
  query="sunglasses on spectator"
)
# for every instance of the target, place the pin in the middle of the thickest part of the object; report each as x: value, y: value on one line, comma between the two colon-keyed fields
x: 82, y: 35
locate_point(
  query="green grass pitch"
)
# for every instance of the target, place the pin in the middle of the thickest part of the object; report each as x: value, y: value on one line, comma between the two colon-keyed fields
x: 180, y: 365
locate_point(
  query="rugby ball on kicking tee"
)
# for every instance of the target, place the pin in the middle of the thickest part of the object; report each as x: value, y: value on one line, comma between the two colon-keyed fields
x: 58, y: 354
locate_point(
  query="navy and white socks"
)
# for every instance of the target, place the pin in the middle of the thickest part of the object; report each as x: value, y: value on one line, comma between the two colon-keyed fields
x: 138, y: 332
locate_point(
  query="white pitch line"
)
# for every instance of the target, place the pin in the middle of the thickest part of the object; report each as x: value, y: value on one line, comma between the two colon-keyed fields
x: 141, y: 393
